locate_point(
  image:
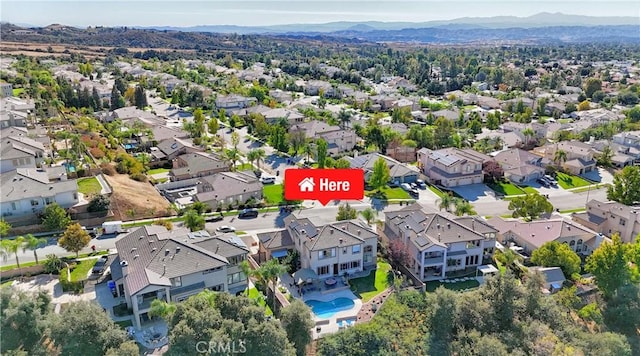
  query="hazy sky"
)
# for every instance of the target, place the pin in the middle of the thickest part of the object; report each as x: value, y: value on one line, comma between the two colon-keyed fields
x: 266, y: 12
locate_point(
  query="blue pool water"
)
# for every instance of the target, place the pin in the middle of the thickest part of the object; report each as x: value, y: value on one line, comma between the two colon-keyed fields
x: 328, y: 309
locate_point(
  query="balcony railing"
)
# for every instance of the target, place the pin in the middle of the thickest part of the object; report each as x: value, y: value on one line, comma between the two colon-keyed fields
x: 433, y: 260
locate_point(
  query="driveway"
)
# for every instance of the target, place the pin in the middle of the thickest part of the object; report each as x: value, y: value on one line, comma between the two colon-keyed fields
x: 476, y: 193
x: 600, y: 175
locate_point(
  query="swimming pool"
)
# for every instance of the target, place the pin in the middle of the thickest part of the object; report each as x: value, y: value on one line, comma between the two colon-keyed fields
x: 326, y: 310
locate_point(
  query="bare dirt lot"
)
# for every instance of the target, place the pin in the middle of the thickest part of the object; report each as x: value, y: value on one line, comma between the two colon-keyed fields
x: 135, y: 200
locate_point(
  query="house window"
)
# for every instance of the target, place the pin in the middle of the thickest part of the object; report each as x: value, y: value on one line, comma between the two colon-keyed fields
x: 623, y: 222
x: 48, y: 201
x: 13, y: 206
x: 176, y: 282
x: 368, y: 248
x: 234, y: 260
x: 327, y: 253
x: 236, y: 278
x: 34, y: 203
x: 75, y: 196
x: 572, y: 243
x: 355, y: 249
x: 218, y: 288
x: 212, y: 270
x: 323, y: 270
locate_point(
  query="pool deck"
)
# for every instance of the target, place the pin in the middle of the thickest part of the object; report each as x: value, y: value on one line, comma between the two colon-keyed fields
x: 330, y: 325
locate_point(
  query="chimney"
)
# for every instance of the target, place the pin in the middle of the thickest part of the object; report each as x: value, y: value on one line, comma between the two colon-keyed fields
x: 164, y: 269
x: 177, y: 249
x: 166, y: 252
x: 125, y: 268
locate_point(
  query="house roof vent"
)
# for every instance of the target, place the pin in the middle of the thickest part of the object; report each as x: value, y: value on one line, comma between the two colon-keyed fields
x: 124, y: 263
x: 134, y: 249
x: 166, y: 252
x: 177, y: 249
x: 135, y: 256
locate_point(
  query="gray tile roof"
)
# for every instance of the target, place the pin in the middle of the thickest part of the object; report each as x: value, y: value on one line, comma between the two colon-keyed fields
x: 537, y: 232
x: 228, y: 184
x: 154, y: 255
x: 26, y: 183
x: 342, y: 233
x: 226, y: 245
x: 276, y: 239
x: 197, y: 162
x: 367, y: 161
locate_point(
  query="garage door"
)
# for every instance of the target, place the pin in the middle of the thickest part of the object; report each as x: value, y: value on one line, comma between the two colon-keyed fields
x: 465, y: 181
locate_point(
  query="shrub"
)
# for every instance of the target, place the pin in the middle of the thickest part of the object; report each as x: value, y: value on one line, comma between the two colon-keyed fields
x: 107, y: 169
x: 53, y: 264
x: 96, y: 152
x: 99, y: 203
x: 68, y: 286
x: 166, y: 223
x: 138, y: 177
x: 591, y: 312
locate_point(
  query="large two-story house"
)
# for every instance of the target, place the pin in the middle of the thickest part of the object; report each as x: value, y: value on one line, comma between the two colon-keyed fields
x: 579, y: 156
x: 234, y: 101
x: 225, y: 188
x: 338, y: 139
x: 154, y: 263
x: 196, y: 164
x: 520, y: 166
x: 336, y: 249
x: 611, y: 217
x: 27, y: 191
x: 439, y: 243
x: 20, y: 152
x: 452, y: 167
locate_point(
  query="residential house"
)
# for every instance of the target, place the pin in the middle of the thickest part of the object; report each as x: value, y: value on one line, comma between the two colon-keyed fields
x: 401, y: 83
x: 531, y: 235
x: 273, y: 116
x: 399, y: 172
x: 27, y: 191
x: 335, y: 249
x: 6, y: 90
x: 274, y: 244
x: 168, y: 149
x: 622, y: 155
x: 519, y: 165
x: 228, y: 188
x: 488, y: 103
x: 15, y: 112
x: 315, y: 87
x: 281, y: 96
x: 234, y: 101
x: 579, y: 156
x: 628, y: 139
x: 611, y: 217
x: 338, y: 139
x: 133, y: 113
x: 600, y: 115
x: 20, y: 152
x: 154, y: 263
x: 553, y: 278
x: 452, y: 167
x: 439, y: 243
x: 195, y: 165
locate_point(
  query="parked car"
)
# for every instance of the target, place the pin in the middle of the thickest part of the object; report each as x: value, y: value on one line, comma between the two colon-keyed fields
x: 406, y: 187
x: 551, y: 180
x: 226, y: 228
x: 421, y: 184
x: 414, y: 193
x: 258, y: 173
x: 248, y: 213
x: 543, y: 182
x: 101, y: 265
x: 214, y: 218
x: 393, y: 184
x: 267, y: 179
x: 413, y: 185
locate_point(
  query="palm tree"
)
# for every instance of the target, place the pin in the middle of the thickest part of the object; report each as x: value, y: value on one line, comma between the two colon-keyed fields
x: 232, y: 156
x: 256, y: 155
x: 344, y: 117
x: 308, y: 150
x: 246, y: 269
x: 559, y: 156
x: 369, y: 215
x: 270, y: 273
x: 252, y: 156
x: 463, y: 207
x: 528, y: 134
x: 445, y: 201
x: 33, y: 243
x: 11, y: 247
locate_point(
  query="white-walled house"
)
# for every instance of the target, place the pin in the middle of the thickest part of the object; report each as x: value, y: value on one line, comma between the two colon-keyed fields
x: 27, y: 191
x: 439, y: 243
x: 20, y: 152
x: 154, y: 263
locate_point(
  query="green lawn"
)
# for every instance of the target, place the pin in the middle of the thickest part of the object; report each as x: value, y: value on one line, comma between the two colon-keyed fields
x: 82, y: 269
x: 388, y: 193
x: 568, y: 181
x: 18, y: 91
x: 569, y: 211
x: 432, y: 286
x: 437, y: 191
x: 89, y: 186
x: 255, y: 294
x: 22, y: 265
x: 157, y: 170
x: 245, y: 167
x: 506, y: 188
x: 273, y: 193
x: 529, y: 190
x: 6, y: 283
x: 373, y: 284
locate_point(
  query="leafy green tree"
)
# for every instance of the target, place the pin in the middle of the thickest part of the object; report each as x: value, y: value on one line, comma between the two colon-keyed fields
x: 530, y: 206
x: 342, y: 163
x: 609, y: 264
x: 140, y: 98
x: 22, y: 321
x: 622, y: 311
x: 346, y: 212
x: 269, y: 272
x: 321, y: 152
x: 74, y: 239
x: 556, y: 254
x: 446, y: 201
x: 380, y: 175
x: 117, y: 100
x: 297, y: 321
x: 33, y: 243
x: 463, y: 207
x: 160, y: 308
x: 592, y: 85
x: 193, y: 220
x: 606, y: 156
x: 5, y: 227
x: 279, y: 138
x: 298, y: 139
x: 99, y: 203
x: 11, y: 247
x: 53, y: 264
x: 626, y: 186
x: 213, y: 126
x: 256, y: 156
x: 83, y: 328
x: 55, y: 218
x: 369, y: 215
x: 443, y: 302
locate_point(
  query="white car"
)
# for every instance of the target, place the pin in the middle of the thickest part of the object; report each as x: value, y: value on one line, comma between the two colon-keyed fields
x: 225, y: 228
x: 267, y: 179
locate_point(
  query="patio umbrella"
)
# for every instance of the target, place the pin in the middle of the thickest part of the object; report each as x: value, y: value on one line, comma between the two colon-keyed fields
x: 304, y: 274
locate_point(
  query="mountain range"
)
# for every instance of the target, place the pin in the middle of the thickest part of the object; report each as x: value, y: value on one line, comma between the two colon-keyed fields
x: 543, y: 19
